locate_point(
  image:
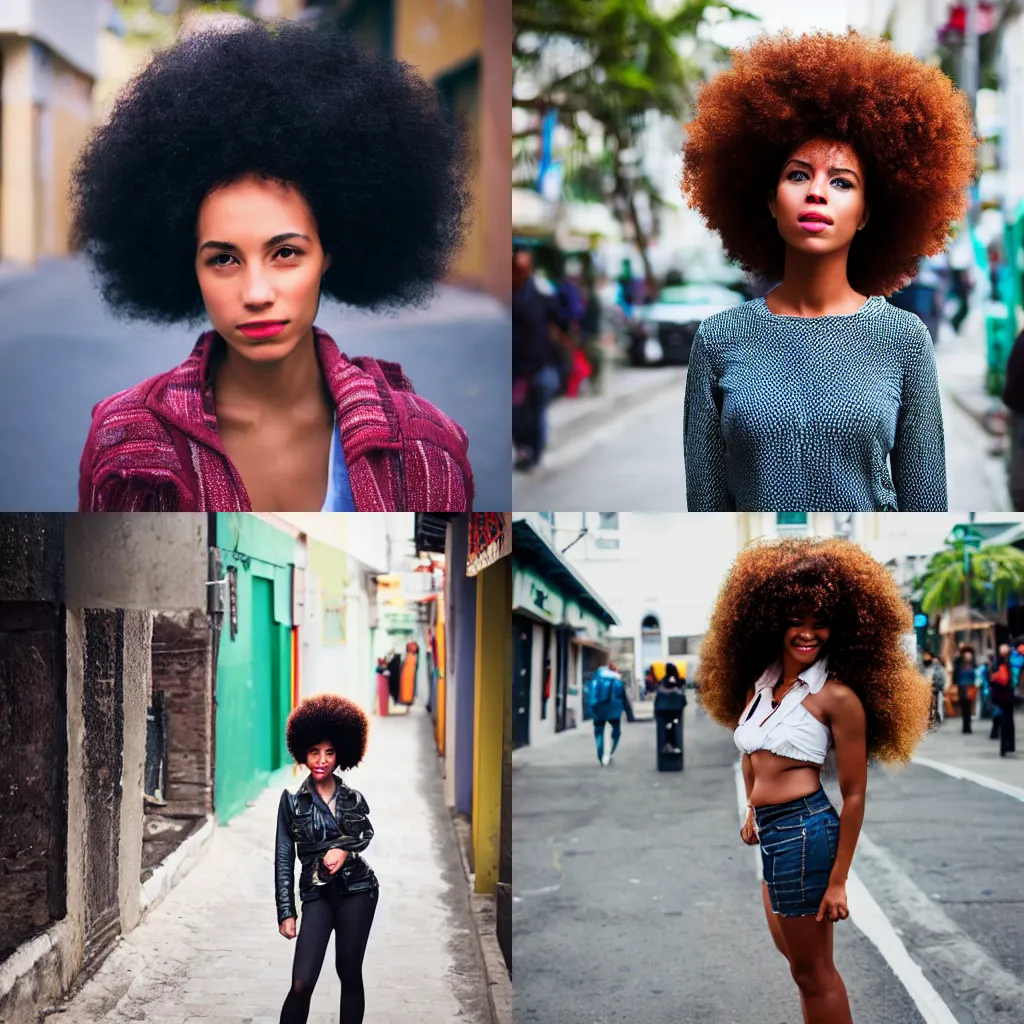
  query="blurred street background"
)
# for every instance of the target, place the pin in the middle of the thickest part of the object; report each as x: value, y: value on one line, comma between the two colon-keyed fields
x: 62, y: 64
x: 635, y: 897
x: 598, y: 109
x: 148, y: 665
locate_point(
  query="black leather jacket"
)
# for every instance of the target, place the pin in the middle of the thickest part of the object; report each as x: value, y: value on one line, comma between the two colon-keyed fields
x: 305, y: 826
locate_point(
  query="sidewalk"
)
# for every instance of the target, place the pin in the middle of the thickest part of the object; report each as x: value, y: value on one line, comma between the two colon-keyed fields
x: 961, y: 363
x: 974, y: 753
x: 624, y: 388
x: 211, y: 952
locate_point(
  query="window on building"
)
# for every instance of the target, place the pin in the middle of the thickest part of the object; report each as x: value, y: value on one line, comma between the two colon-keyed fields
x: 608, y: 521
x: 606, y: 542
x: 677, y: 645
x: 790, y: 523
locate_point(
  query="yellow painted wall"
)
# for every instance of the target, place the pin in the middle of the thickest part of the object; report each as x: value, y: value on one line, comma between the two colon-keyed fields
x: 34, y: 212
x: 438, y: 35
x: 17, y: 169
x: 493, y: 694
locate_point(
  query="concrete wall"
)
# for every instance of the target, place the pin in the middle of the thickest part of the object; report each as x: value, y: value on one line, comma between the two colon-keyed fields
x: 138, y: 632
x: 183, y: 670
x: 142, y: 560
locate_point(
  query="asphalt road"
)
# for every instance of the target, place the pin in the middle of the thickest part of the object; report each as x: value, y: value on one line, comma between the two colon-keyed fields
x: 636, y: 458
x: 61, y: 352
x: 635, y: 899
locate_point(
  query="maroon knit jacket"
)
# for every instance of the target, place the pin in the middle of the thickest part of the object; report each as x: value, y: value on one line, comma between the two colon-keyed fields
x: 155, y: 447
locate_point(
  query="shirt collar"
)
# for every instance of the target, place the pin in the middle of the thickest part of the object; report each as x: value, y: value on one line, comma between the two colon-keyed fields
x: 814, y: 676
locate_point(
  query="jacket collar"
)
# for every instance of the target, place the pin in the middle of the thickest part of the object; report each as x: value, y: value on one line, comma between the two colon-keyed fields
x: 814, y: 676
x: 368, y: 416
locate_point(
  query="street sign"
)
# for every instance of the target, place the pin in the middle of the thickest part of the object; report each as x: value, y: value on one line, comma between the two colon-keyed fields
x: 968, y: 536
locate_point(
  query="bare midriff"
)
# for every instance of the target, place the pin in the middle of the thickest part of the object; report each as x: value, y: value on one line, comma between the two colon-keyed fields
x: 777, y: 779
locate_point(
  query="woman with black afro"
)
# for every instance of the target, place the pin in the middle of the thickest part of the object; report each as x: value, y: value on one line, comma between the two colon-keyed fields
x: 804, y: 655
x: 244, y: 173
x: 830, y: 164
x: 326, y: 823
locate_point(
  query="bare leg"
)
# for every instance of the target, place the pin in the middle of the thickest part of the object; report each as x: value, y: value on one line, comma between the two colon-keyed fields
x: 810, y: 959
x: 780, y: 940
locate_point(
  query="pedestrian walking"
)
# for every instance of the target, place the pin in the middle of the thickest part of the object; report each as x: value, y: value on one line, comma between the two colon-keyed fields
x: 935, y: 672
x: 965, y: 675
x: 804, y: 654
x: 822, y: 395
x: 961, y: 259
x: 535, y: 377
x: 607, y: 698
x: 998, y: 676
x: 672, y: 683
x: 237, y: 180
x: 1001, y: 689
x: 327, y: 824
x: 1013, y: 398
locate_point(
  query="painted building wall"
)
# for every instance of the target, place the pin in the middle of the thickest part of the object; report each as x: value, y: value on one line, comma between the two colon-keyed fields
x: 254, y: 667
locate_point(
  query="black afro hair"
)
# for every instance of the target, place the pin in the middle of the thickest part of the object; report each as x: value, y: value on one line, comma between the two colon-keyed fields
x: 362, y: 137
x: 328, y: 717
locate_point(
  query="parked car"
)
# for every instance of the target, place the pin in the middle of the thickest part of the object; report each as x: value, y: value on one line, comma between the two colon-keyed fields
x: 663, y: 331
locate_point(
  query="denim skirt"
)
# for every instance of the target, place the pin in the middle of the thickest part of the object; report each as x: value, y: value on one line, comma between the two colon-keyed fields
x: 799, y: 840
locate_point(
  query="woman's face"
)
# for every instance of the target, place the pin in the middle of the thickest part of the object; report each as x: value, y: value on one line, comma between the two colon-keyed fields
x: 805, y: 637
x: 259, y: 260
x: 321, y: 760
x: 819, y: 202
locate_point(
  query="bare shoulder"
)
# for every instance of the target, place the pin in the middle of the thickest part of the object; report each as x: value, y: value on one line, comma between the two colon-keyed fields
x: 838, y: 699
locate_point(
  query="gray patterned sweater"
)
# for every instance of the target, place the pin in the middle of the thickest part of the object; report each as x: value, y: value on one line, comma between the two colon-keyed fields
x: 802, y: 414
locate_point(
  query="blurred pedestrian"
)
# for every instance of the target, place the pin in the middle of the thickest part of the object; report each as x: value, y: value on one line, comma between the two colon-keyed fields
x: 805, y: 654
x: 236, y: 181
x: 535, y: 379
x: 1013, y: 398
x: 961, y: 259
x: 607, y: 702
x: 590, y: 333
x: 327, y: 825
x: 821, y: 394
x: 935, y: 673
x: 672, y: 683
x: 1001, y: 689
x: 965, y: 678
x: 998, y: 677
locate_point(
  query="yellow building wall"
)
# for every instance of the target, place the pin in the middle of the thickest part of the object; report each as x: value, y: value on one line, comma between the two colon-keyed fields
x: 437, y: 37
x: 492, y: 700
x: 34, y: 210
x: 18, y: 180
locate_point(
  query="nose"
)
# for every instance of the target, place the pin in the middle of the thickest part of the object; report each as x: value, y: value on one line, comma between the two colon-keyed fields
x: 813, y: 197
x: 256, y: 289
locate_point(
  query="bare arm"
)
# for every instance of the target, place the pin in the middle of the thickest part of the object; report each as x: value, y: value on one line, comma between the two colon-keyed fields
x: 849, y: 731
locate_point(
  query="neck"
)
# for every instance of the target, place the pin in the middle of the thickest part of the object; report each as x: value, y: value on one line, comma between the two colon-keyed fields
x: 816, y: 285
x: 283, y: 384
x: 791, y: 668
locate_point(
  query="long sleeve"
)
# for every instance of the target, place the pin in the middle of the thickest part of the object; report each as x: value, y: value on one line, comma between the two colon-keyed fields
x: 703, y: 444
x: 284, y: 865
x: 918, y: 457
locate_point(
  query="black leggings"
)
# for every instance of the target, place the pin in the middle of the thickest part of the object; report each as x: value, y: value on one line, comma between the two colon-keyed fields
x: 350, y: 917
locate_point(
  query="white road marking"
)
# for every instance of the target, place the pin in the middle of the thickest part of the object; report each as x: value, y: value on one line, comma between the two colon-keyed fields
x: 867, y: 915
x: 963, y: 773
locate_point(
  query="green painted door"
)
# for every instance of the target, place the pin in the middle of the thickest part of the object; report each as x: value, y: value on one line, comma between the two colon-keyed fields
x: 264, y: 684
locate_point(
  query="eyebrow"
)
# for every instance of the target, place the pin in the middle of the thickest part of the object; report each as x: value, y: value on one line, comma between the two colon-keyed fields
x: 276, y: 240
x: 831, y: 170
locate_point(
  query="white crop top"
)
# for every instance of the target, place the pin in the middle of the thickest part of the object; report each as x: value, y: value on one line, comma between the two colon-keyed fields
x: 789, y: 730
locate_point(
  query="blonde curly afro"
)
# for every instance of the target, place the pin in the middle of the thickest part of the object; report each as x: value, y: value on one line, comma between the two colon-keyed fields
x: 909, y: 125
x: 328, y: 717
x: 771, y: 582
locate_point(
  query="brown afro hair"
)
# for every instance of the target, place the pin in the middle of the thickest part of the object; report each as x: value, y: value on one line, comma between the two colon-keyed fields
x: 909, y: 125
x: 770, y: 583
x: 326, y: 716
